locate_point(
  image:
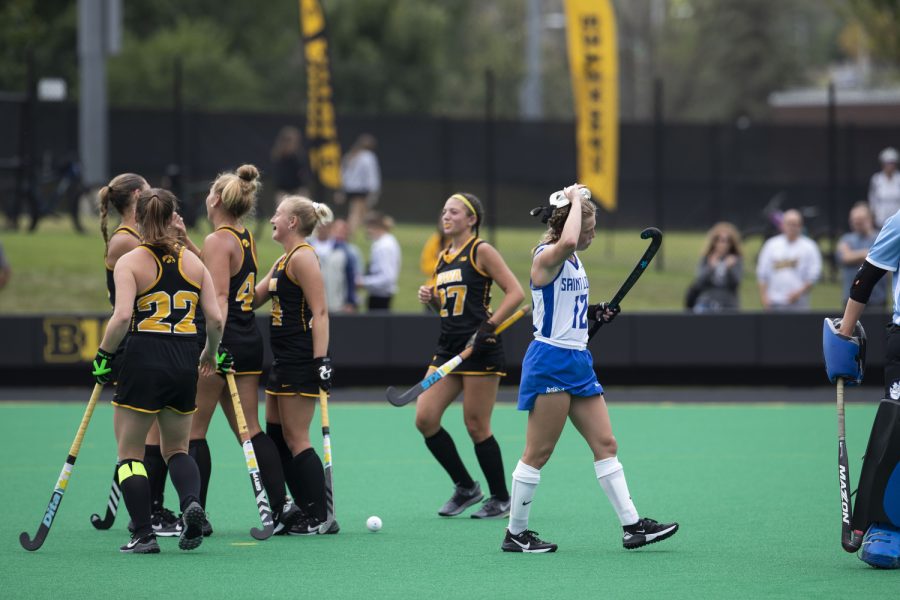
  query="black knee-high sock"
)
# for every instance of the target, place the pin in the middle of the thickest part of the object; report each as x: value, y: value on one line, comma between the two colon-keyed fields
x: 186, y: 478
x: 199, y: 451
x: 270, y: 469
x: 276, y: 434
x: 488, y: 453
x: 157, y: 471
x: 444, y: 450
x: 308, y: 474
x: 135, y: 488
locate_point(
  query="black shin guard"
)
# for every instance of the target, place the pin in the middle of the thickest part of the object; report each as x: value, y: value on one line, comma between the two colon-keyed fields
x: 135, y: 486
x: 276, y: 434
x: 157, y: 471
x: 199, y: 451
x: 878, y: 495
x: 491, y: 461
x: 444, y: 450
x: 270, y: 469
x: 308, y: 475
x: 186, y: 479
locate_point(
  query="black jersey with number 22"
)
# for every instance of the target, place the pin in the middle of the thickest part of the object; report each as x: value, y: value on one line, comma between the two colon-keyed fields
x: 168, y: 306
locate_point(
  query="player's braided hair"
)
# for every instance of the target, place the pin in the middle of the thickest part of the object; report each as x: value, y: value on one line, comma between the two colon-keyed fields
x: 119, y: 192
x: 238, y: 190
x: 556, y: 219
x: 153, y: 212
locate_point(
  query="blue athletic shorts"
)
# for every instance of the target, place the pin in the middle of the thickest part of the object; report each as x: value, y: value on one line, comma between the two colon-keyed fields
x: 548, y: 369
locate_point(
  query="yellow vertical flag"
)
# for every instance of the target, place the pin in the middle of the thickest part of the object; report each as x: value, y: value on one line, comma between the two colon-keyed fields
x: 321, y: 127
x: 594, y: 68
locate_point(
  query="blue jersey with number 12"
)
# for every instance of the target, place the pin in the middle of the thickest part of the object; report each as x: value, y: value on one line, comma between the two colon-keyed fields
x: 560, y: 307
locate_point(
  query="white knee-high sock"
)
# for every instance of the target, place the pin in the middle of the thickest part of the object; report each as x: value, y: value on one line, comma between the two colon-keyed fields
x: 612, y: 480
x: 525, y: 480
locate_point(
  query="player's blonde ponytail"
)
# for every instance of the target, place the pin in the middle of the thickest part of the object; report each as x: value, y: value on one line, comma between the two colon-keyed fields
x: 154, y: 211
x: 238, y: 190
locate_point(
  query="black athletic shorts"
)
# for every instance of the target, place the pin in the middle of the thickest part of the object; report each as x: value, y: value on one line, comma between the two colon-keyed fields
x: 246, y: 345
x: 290, y: 378
x: 491, y: 362
x: 158, y: 372
x: 118, y: 357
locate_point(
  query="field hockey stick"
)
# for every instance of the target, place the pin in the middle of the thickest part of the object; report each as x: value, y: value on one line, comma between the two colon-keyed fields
x: 655, y: 236
x: 112, y: 505
x: 850, y: 540
x: 262, y: 502
x: 62, y: 482
x: 326, y: 454
x: 400, y: 399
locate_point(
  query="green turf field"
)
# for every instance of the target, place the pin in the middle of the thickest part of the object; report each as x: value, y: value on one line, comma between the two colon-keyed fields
x: 56, y: 270
x: 753, y: 486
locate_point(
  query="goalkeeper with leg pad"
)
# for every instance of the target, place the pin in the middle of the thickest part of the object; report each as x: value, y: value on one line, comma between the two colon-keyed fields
x: 877, y: 507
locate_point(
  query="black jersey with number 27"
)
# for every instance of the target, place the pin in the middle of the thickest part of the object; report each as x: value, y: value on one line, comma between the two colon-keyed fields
x: 463, y: 289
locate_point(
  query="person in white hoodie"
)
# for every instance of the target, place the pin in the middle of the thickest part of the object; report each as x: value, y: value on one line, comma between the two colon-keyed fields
x: 380, y: 280
x: 789, y: 265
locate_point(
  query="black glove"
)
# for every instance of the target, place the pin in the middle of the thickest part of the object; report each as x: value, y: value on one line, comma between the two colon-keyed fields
x: 224, y: 361
x: 102, y: 367
x: 597, y: 312
x: 485, y: 338
x: 323, y: 371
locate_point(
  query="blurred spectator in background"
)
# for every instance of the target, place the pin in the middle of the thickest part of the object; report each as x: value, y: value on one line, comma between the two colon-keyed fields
x: 360, y: 181
x: 5, y: 270
x: 431, y: 253
x: 719, y: 273
x: 789, y: 265
x: 853, y: 247
x: 291, y: 175
x: 290, y: 169
x: 383, y: 271
x: 884, y: 188
x: 340, y: 265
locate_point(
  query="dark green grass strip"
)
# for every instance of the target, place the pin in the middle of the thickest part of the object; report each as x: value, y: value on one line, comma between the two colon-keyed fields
x: 754, y: 488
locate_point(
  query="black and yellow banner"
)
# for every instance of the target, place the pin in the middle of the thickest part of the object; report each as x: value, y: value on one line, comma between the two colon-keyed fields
x: 321, y: 127
x: 594, y: 67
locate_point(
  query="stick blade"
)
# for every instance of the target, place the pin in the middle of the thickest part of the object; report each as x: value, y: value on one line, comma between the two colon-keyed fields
x: 262, y: 533
x: 398, y: 398
x: 102, y: 523
x: 33, y: 544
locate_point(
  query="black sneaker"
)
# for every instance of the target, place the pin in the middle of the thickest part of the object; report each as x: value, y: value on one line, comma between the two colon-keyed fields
x: 192, y: 519
x: 207, y: 528
x: 165, y: 523
x: 141, y: 545
x: 461, y: 499
x: 310, y: 525
x: 493, y: 508
x: 290, y: 515
x: 527, y: 541
x: 646, y: 531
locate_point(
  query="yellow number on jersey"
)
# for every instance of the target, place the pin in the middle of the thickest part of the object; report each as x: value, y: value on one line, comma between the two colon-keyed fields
x: 161, y: 306
x: 458, y: 294
x: 276, y: 312
x: 188, y: 300
x: 245, y: 293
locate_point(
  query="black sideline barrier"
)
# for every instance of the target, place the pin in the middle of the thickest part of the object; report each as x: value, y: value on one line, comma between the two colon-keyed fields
x: 637, y: 349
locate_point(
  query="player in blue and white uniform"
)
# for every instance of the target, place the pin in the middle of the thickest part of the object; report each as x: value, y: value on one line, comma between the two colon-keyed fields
x: 558, y: 379
x: 877, y: 508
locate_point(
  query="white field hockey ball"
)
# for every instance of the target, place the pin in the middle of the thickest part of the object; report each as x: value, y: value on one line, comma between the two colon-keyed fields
x: 373, y: 523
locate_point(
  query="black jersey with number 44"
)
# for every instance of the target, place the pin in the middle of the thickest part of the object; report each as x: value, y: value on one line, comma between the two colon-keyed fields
x: 168, y: 306
x: 242, y: 285
x: 463, y: 289
x: 290, y: 324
